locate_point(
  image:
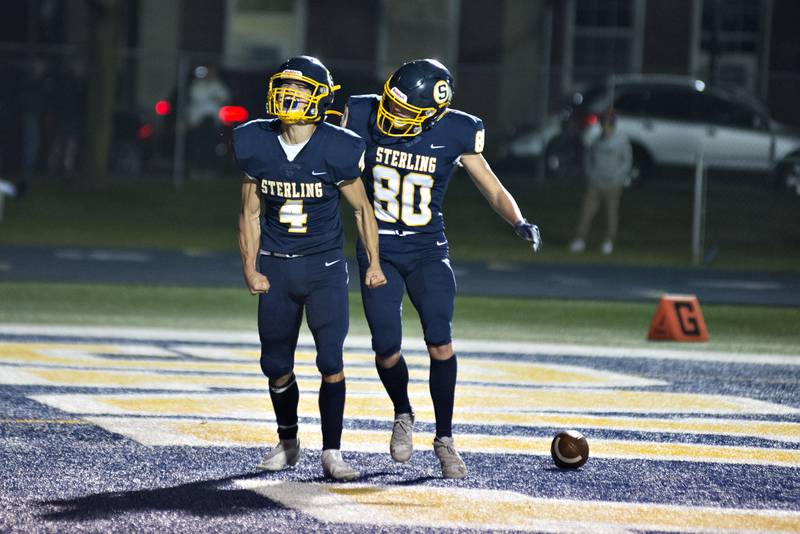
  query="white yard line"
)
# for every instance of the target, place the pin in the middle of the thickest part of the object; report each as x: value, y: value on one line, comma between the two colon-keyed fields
x: 363, y: 343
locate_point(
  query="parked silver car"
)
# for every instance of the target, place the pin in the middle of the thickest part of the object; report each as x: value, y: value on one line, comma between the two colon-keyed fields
x: 670, y: 121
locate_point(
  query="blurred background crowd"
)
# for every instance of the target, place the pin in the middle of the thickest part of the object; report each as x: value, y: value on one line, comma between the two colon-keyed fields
x: 93, y: 91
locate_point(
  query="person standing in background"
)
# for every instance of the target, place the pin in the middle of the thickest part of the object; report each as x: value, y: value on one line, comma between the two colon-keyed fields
x: 207, y: 94
x: 33, y: 100
x: 607, y: 163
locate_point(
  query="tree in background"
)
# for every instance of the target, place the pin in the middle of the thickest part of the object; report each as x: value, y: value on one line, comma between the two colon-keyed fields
x: 104, y: 17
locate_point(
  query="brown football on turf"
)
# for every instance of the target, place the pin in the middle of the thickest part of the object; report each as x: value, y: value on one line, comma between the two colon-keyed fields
x: 569, y: 449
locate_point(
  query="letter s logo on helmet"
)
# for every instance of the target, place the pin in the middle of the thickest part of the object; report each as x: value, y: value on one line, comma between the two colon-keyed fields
x: 427, y: 87
x: 442, y: 94
x: 301, y: 91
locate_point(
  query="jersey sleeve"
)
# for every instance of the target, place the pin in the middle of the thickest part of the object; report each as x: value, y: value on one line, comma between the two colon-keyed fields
x: 359, y: 109
x: 346, y: 160
x: 472, y: 134
x: 243, y: 148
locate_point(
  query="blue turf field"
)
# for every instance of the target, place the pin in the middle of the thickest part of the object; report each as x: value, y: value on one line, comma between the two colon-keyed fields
x: 112, y: 432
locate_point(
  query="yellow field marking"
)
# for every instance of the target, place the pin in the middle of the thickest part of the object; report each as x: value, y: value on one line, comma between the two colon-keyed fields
x: 249, y: 379
x: 510, y: 403
x: 474, y: 370
x: 431, y: 507
x: 87, y: 356
x: 250, y: 374
x: 167, y: 432
x: 141, y: 380
x: 472, y: 405
x: 12, y: 349
x: 649, y: 450
x: 44, y: 422
x: 775, y: 430
x: 85, y: 359
x: 507, y: 406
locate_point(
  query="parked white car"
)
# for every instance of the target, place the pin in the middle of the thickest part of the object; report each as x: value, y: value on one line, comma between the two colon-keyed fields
x: 670, y: 121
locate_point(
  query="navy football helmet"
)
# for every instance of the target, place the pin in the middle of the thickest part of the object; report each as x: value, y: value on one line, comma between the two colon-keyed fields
x: 301, y: 91
x: 414, y: 98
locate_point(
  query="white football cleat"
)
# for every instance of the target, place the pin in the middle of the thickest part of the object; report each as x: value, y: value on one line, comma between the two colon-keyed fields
x: 452, y: 464
x: 608, y: 247
x: 402, y: 445
x: 334, y: 466
x: 285, y: 454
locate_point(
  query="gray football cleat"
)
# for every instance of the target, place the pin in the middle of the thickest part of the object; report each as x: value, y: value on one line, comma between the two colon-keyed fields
x: 285, y: 454
x: 452, y: 464
x: 402, y: 444
x: 334, y: 466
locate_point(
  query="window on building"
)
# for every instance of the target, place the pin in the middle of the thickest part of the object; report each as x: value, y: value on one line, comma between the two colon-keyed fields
x: 263, y: 32
x: 738, y: 23
x: 416, y: 28
x: 731, y: 41
x: 604, y: 39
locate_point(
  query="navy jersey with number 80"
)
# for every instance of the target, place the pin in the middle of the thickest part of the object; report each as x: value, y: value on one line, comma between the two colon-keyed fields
x: 406, y: 178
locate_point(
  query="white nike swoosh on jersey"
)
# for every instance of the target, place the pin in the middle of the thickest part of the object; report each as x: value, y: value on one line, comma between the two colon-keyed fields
x: 328, y: 264
x: 316, y: 173
x: 437, y: 146
x: 440, y: 243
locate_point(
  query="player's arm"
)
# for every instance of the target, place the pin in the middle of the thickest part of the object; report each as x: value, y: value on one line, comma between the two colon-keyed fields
x: 353, y: 191
x: 249, y: 234
x: 499, y: 198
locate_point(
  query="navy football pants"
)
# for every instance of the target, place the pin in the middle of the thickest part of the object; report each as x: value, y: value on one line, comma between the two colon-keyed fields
x: 418, y: 264
x: 317, y: 283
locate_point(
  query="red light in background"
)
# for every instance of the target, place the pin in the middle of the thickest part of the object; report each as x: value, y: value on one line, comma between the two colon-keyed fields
x: 145, y: 131
x: 590, y: 120
x: 231, y: 114
x: 163, y: 107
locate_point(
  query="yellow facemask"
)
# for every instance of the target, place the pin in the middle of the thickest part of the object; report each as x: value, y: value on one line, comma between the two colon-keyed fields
x: 291, y: 104
x: 396, y: 118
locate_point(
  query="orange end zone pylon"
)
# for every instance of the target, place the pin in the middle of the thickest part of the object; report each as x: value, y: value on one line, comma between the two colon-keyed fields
x: 678, y: 318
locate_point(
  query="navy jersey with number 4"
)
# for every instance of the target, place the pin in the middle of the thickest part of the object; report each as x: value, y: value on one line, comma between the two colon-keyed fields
x: 300, y: 198
x: 406, y: 178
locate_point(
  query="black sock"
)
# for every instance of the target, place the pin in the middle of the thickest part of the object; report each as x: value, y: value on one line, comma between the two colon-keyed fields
x: 443, y: 388
x: 284, y: 401
x: 331, y: 412
x: 395, y: 381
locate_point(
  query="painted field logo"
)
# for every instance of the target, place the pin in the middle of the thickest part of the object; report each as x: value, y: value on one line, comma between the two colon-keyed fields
x: 678, y: 318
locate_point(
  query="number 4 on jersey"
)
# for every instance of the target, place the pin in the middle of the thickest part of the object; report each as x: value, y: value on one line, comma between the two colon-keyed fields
x: 291, y: 213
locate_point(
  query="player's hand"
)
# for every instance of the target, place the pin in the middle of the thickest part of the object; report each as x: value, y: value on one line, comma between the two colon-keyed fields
x: 529, y: 232
x: 256, y: 282
x: 374, y: 277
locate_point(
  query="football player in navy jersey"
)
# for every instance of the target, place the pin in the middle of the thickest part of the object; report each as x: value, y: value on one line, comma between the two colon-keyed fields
x: 415, y: 141
x: 290, y: 236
